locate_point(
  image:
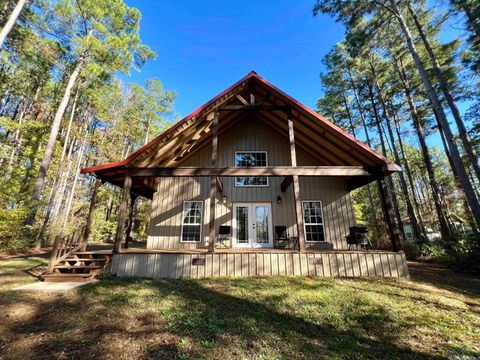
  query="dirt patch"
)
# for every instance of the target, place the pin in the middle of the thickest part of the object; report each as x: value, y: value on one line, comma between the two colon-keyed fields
x: 42, y: 253
x: 444, y: 277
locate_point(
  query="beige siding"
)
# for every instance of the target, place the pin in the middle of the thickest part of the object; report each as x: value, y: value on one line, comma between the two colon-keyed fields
x: 165, y: 226
x: 253, y: 264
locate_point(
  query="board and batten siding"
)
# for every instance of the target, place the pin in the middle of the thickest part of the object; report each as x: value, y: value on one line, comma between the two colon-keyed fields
x: 256, y: 264
x: 248, y: 135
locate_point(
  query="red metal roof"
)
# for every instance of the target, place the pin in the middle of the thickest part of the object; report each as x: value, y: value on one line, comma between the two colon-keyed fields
x: 252, y: 75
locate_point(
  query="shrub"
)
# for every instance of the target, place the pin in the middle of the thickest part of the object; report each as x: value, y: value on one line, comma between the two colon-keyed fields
x: 460, y: 252
x: 12, y: 238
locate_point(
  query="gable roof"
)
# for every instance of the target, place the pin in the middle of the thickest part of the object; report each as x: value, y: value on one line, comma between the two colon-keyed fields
x: 323, y: 139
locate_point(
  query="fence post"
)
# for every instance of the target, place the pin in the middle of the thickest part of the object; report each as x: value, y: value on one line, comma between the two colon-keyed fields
x: 53, y: 255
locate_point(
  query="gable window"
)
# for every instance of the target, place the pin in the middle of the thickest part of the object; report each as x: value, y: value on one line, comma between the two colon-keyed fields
x: 313, y: 218
x: 192, y: 221
x: 251, y: 159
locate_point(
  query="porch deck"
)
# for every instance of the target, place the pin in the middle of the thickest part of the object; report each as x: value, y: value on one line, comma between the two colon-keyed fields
x: 147, y: 263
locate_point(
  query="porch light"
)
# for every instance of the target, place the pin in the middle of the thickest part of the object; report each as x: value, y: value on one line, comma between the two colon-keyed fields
x: 224, y: 199
x: 279, y: 200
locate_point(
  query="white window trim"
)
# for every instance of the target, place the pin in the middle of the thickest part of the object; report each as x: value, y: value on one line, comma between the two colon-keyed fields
x: 322, y: 223
x: 201, y: 222
x: 250, y: 186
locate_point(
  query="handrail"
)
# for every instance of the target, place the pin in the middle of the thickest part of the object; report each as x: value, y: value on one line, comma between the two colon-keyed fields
x: 65, y: 245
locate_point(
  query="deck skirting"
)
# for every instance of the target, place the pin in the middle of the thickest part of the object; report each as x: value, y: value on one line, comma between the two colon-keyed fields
x: 252, y: 264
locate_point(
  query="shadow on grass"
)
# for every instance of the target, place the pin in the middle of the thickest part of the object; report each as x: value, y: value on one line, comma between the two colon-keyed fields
x: 135, y: 318
x: 445, y: 278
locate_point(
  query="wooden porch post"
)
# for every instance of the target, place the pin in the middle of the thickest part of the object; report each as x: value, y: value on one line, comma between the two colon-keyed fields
x: 296, y: 186
x: 127, y: 185
x: 213, y: 184
x: 93, y: 200
x: 387, y: 208
x: 133, y: 198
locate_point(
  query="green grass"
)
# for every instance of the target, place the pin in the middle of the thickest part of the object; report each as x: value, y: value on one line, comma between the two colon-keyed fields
x: 264, y: 318
x: 14, y: 272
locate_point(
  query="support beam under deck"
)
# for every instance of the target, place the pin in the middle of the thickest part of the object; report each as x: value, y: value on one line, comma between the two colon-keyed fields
x: 127, y: 185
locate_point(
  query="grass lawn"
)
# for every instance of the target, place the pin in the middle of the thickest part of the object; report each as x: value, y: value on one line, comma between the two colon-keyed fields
x: 264, y: 318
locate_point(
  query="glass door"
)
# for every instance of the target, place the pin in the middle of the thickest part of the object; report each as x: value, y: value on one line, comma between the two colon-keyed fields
x: 252, y: 225
x: 241, y: 225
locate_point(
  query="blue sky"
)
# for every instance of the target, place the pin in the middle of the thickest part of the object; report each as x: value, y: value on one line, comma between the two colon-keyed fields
x: 205, y: 46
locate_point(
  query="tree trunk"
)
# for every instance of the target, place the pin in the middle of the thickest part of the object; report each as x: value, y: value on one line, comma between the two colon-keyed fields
x: 17, y: 141
x: 472, y: 25
x: 442, y: 219
x: 47, y: 157
x: 11, y: 21
x: 466, y: 141
x: 409, y: 174
x: 403, y: 184
x: 147, y: 133
x: 75, y: 179
x: 390, y: 193
x: 389, y: 216
x: 5, y: 99
x: 56, y: 182
x: 442, y: 118
x: 91, y: 209
x: 58, y: 199
x: 367, y: 136
x: 109, y: 208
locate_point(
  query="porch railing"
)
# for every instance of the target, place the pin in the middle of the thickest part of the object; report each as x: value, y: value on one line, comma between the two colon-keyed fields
x: 65, y: 245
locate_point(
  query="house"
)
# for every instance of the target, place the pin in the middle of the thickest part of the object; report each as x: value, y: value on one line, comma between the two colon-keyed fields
x: 252, y: 183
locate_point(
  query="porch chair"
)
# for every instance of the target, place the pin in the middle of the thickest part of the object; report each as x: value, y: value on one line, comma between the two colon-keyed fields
x: 358, y: 238
x: 224, y: 233
x: 281, y: 237
x: 282, y: 240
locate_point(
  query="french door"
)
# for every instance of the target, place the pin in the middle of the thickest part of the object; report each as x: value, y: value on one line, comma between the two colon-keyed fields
x: 252, y: 225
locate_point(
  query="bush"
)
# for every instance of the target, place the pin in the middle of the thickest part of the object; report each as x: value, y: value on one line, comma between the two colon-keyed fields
x: 460, y: 252
x: 12, y: 238
x: 412, y: 249
x: 102, y: 230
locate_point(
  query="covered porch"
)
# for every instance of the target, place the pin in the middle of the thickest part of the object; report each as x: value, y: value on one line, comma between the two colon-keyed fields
x: 287, y: 183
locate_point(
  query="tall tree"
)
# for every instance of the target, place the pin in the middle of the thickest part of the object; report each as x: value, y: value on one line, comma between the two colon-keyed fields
x: 380, y: 12
x: 102, y: 37
x: 12, y: 19
x: 444, y: 86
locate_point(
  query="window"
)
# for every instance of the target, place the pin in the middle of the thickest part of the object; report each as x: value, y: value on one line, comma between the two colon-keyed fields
x: 251, y: 159
x: 408, y: 232
x: 192, y: 221
x: 313, y: 218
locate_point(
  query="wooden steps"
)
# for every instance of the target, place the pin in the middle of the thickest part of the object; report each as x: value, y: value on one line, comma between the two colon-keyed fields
x: 79, y: 266
x: 85, y: 260
x: 61, y: 277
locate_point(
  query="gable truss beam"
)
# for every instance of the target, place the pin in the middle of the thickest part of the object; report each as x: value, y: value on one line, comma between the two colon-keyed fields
x: 252, y: 171
x: 287, y: 181
x: 219, y: 181
x: 241, y: 99
x: 284, y: 108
